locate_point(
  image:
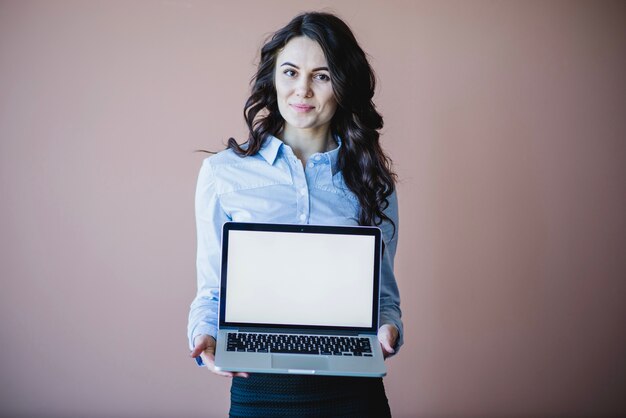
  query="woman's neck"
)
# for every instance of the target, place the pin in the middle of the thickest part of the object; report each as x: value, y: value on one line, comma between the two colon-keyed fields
x: 305, y: 143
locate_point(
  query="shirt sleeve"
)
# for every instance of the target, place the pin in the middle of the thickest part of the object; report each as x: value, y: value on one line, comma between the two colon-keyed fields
x: 210, y: 218
x: 390, y: 312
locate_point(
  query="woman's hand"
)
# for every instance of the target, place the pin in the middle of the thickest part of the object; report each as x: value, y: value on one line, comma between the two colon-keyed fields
x: 204, y: 346
x: 387, y: 335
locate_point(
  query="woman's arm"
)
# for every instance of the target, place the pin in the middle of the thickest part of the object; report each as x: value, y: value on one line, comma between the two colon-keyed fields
x: 209, y: 220
x: 390, y: 312
x: 210, y: 217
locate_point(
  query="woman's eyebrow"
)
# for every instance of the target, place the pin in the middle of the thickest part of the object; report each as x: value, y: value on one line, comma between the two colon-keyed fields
x: 296, y: 67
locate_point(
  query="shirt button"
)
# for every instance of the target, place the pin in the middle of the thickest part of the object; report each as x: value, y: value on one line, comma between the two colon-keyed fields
x: 310, y: 165
x: 317, y: 157
x: 303, y: 191
x: 303, y: 217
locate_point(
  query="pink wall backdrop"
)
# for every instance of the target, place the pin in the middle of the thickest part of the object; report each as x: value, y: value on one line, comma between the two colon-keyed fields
x: 506, y: 123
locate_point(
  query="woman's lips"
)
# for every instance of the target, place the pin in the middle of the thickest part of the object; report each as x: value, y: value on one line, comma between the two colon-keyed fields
x: 301, y: 108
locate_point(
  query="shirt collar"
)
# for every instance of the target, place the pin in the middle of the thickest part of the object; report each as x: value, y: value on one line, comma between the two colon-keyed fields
x: 269, y: 149
x: 271, y: 146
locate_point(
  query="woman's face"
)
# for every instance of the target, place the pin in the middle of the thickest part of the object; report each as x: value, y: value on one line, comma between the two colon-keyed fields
x: 303, y: 88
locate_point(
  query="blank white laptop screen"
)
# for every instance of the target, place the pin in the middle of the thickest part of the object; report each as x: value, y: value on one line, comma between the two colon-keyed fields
x: 300, y: 278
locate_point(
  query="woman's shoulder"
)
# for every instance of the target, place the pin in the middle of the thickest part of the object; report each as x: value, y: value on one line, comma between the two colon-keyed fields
x: 226, y: 156
x: 229, y: 167
x: 229, y: 157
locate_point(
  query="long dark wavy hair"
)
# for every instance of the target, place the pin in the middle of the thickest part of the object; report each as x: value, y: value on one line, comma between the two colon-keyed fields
x: 365, y: 167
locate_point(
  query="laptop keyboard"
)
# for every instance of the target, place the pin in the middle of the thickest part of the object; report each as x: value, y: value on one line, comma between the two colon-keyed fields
x: 299, y: 344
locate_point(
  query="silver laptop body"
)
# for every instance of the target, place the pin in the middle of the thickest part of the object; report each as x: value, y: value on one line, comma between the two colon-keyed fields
x: 301, y: 299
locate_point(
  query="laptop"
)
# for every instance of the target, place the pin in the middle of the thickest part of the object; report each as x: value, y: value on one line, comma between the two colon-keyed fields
x: 300, y: 299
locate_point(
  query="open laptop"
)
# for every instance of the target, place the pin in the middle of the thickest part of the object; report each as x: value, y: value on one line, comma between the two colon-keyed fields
x: 300, y: 299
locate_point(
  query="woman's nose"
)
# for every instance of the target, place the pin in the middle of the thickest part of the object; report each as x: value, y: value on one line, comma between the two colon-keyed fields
x: 303, y: 88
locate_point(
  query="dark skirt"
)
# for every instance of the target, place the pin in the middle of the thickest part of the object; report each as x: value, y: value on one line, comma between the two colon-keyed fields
x: 277, y: 395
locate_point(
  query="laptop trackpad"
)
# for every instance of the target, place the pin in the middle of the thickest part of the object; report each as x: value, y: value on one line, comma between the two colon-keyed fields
x: 299, y: 362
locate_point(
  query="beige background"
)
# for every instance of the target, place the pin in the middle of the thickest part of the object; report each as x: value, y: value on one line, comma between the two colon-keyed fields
x: 506, y: 124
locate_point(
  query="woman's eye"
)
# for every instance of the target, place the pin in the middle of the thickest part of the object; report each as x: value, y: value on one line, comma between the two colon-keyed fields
x: 289, y: 73
x: 322, y: 77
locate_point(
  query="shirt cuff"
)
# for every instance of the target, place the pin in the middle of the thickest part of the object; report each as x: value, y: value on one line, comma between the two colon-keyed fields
x: 203, y: 329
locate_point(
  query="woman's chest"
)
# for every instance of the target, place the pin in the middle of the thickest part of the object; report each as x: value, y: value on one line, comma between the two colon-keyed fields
x: 285, y: 195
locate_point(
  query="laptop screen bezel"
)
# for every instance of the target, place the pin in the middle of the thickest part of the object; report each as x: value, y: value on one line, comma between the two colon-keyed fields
x: 374, y: 232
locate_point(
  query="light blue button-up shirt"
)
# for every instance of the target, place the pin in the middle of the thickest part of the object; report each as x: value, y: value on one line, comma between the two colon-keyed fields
x: 274, y: 187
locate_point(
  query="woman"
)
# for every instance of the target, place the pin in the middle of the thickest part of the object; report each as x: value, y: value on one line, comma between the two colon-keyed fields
x: 312, y: 156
